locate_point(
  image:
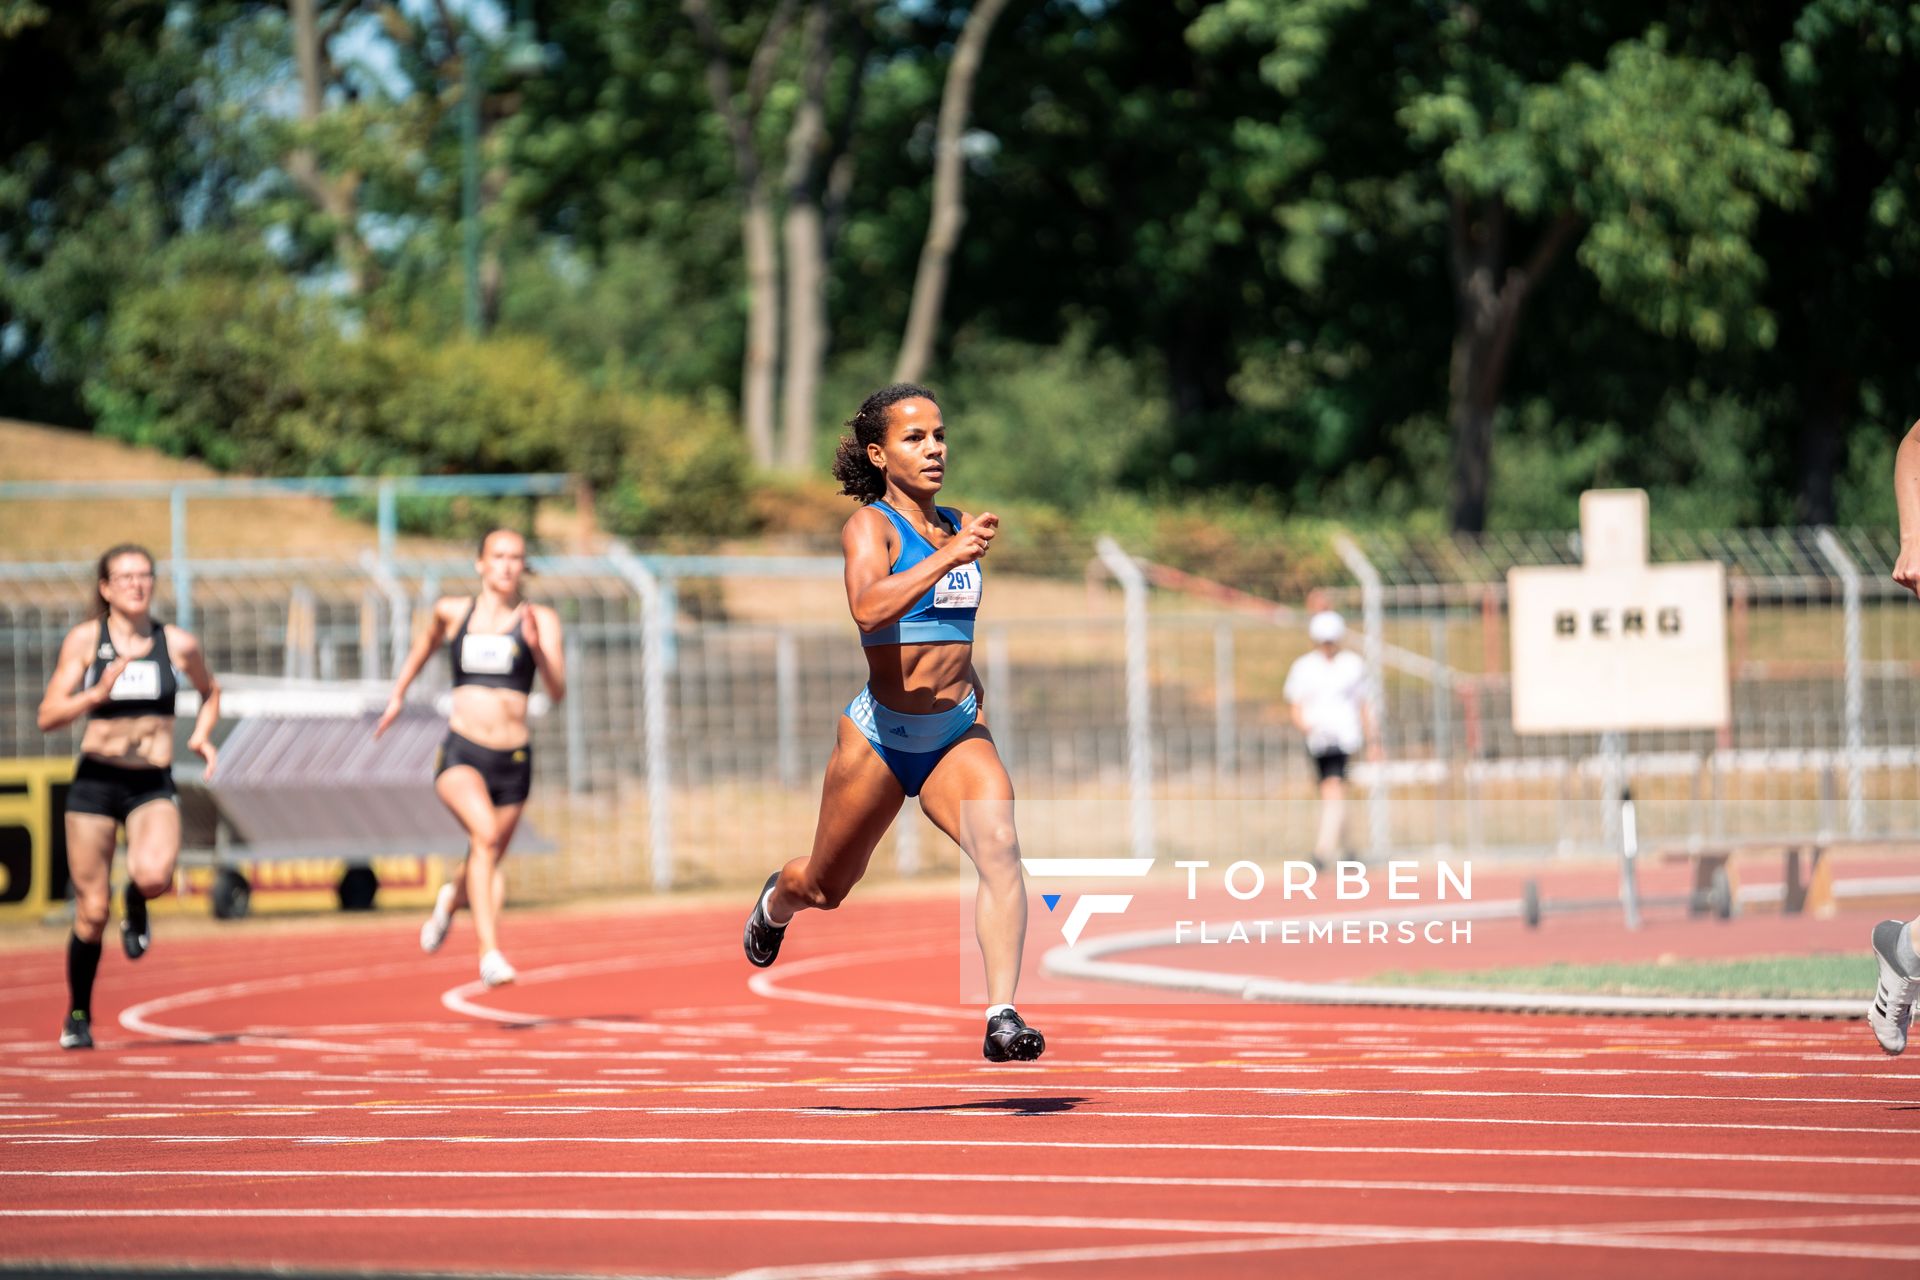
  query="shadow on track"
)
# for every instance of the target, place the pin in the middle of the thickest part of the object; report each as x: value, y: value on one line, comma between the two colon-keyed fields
x: 1013, y: 1106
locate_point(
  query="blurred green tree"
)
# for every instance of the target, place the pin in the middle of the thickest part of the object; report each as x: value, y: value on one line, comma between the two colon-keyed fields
x: 1649, y: 166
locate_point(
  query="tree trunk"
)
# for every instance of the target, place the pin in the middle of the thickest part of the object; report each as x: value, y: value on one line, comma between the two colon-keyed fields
x: 760, y: 371
x: 949, y: 199
x: 1471, y: 417
x: 337, y: 197
x: 760, y: 367
x: 806, y: 332
x: 1488, y: 299
x: 1823, y: 447
x: 804, y: 246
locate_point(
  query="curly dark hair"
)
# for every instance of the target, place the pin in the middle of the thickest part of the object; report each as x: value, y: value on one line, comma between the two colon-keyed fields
x: 858, y: 477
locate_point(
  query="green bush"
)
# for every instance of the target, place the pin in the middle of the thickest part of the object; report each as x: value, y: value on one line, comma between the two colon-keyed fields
x: 683, y: 470
x: 1049, y: 424
x: 253, y: 376
x: 1699, y: 463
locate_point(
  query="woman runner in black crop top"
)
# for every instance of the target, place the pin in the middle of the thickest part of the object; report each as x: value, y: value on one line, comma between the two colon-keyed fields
x: 120, y: 670
x: 497, y: 641
x: 502, y: 662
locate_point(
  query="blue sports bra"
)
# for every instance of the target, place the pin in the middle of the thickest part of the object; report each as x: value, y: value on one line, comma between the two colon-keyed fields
x: 946, y: 611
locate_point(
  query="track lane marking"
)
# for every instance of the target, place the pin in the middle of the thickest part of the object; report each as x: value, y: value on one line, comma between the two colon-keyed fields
x: 1692, y: 1192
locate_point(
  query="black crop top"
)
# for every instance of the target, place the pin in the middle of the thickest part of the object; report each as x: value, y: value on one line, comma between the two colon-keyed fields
x: 147, y: 684
x: 494, y: 661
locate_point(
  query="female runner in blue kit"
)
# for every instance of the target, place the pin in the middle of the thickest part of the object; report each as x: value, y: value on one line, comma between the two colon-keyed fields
x: 918, y: 728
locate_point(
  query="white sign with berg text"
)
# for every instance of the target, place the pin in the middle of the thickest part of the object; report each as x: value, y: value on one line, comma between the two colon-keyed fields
x: 1617, y: 643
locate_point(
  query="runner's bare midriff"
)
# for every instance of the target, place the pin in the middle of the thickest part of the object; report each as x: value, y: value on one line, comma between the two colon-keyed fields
x: 130, y: 742
x: 920, y: 679
x: 492, y: 718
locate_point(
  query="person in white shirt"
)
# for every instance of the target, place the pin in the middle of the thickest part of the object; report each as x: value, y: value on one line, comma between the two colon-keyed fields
x: 1326, y: 691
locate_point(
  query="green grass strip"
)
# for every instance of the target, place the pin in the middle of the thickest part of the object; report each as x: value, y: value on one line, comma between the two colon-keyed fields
x: 1842, y: 974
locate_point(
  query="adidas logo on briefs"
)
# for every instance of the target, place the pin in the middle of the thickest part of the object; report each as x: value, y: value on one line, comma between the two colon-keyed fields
x: 899, y: 729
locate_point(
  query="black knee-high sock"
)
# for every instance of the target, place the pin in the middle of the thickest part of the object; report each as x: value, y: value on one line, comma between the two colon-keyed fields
x: 83, y: 961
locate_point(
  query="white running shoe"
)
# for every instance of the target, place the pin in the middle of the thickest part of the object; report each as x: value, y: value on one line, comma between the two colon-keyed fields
x: 495, y: 971
x: 434, y: 931
x: 1892, y: 1009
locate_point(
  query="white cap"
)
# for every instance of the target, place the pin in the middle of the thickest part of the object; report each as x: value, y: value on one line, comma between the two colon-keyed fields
x: 1326, y: 628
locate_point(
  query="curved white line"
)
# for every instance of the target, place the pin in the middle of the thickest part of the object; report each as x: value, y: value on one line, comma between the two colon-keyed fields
x: 1088, y: 962
x: 460, y: 999
x: 766, y: 984
x: 139, y: 1018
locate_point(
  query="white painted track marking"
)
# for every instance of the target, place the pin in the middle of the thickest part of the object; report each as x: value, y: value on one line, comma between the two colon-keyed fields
x: 440, y: 1085
x: 971, y: 1110
x: 1654, y: 1236
x: 969, y: 1144
x: 1760, y: 1195
x: 957, y: 1264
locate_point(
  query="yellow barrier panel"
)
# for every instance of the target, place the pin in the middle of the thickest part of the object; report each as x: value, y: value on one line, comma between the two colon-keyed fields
x: 28, y: 833
x: 312, y: 884
x: 31, y: 834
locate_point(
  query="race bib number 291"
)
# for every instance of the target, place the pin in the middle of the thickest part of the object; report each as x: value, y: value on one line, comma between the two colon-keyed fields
x: 960, y: 589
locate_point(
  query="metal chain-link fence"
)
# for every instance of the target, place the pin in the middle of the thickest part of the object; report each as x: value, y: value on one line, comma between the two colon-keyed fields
x: 1138, y: 707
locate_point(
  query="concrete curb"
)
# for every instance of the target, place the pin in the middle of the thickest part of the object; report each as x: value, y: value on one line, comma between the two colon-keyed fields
x: 1089, y: 961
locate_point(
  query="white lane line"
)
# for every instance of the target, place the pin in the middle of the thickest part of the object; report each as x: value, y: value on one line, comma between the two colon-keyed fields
x: 844, y: 1217
x: 1794, y: 1195
x: 460, y: 999
x: 1639, y: 1235
x: 1022, y: 1260
x: 954, y: 1264
x: 141, y: 1018
x: 494, y: 1075
x: 1009, y: 1107
x: 968, y: 1144
x: 1221, y: 1051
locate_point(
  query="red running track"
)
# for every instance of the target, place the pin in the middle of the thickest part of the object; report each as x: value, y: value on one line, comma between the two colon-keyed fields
x: 322, y: 1098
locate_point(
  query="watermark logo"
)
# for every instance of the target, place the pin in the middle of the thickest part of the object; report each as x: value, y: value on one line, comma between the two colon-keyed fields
x: 1088, y: 905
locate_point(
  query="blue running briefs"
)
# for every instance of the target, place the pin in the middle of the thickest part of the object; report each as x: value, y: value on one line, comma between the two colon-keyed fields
x: 911, y: 745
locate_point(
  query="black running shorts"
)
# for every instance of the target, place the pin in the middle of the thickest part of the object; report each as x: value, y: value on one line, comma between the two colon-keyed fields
x: 508, y: 774
x: 112, y: 791
x: 1331, y: 764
